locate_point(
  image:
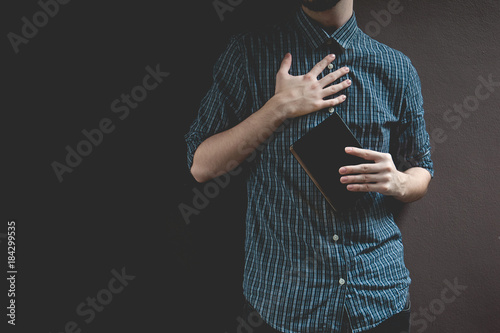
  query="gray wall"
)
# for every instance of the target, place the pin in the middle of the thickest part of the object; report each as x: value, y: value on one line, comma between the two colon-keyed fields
x: 119, y: 208
x: 451, y: 236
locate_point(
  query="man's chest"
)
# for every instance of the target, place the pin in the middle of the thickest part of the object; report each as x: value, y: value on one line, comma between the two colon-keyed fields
x: 371, y: 110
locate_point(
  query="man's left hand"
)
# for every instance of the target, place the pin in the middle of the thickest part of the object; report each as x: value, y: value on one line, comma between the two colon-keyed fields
x: 381, y: 176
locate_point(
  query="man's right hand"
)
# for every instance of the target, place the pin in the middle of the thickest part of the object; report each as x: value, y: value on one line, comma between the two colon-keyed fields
x: 305, y: 94
x: 295, y: 96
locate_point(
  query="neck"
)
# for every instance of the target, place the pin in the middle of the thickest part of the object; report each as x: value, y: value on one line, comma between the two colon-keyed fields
x: 334, y: 17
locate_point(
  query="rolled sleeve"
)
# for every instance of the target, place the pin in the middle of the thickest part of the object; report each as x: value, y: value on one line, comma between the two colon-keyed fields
x: 413, y: 147
x: 225, y: 104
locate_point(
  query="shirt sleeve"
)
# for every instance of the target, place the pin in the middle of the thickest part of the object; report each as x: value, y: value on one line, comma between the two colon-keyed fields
x: 225, y: 103
x: 412, y: 145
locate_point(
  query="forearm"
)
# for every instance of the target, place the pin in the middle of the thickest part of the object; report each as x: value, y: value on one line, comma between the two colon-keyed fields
x: 224, y: 151
x: 414, y: 184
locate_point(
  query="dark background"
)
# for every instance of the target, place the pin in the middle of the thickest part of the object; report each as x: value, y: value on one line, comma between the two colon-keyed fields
x: 119, y: 207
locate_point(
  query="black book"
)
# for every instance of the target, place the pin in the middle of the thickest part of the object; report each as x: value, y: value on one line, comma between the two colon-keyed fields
x: 321, y: 153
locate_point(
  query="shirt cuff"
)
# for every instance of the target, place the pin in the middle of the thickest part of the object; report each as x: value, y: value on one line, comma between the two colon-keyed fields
x: 193, y: 141
x: 422, y: 160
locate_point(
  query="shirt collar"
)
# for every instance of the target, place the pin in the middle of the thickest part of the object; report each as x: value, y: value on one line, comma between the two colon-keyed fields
x: 316, y: 36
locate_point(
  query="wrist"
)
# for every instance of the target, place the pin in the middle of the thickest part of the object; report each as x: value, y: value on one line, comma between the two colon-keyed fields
x: 401, y: 192
x: 278, y: 104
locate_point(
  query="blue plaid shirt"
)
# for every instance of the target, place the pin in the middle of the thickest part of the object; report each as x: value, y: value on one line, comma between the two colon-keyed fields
x: 305, y: 264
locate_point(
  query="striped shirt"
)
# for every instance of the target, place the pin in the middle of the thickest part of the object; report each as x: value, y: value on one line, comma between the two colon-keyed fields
x: 304, y: 263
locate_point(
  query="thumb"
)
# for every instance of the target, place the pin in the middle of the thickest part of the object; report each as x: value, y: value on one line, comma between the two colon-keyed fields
x: 286, y: 64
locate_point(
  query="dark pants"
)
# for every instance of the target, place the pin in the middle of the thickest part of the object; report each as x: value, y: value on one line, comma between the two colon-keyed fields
x: 249, y: 321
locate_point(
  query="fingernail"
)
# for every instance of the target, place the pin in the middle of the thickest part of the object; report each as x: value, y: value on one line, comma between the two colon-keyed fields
x: 344, y: 97
x: 342, y: 170
x: 332, y: 55
x: 346, y: 69
x: 348, y: 149
x: 349, y: 82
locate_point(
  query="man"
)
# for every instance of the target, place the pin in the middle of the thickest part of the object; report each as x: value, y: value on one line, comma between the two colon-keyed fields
x: 307, y: 268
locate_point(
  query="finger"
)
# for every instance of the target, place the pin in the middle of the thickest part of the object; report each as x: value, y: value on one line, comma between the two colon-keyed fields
x: 362, y: 179
x: 332, y: 77
x: 320, y: 66
x: 332, y: 90
x: 286, y: 63
x: 362, y: 187
x: 331, y: 102
x: 361, y: 168
x: 367, y: 154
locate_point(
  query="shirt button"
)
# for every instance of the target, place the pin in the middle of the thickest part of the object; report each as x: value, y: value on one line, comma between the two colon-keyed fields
x: 335, y: 237
x: 341, y: 282
x: 331, y: 110
x: 330, y: 66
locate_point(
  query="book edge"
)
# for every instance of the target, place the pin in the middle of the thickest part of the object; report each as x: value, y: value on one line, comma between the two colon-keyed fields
x: 297, y: 157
